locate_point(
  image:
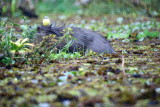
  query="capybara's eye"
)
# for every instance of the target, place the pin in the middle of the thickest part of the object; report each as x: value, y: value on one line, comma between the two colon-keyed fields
x: 38, y: 28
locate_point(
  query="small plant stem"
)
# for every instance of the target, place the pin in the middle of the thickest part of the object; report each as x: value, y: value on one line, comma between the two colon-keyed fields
x: 123, y: 69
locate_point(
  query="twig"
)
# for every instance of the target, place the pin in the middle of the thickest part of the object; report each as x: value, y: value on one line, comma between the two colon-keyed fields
x: 123, y: 69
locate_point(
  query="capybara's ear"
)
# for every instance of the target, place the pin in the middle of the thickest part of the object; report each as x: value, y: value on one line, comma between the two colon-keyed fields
x: 38, y: 28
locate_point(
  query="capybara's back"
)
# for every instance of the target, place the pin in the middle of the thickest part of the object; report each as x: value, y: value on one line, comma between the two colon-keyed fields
x: 92, y: 40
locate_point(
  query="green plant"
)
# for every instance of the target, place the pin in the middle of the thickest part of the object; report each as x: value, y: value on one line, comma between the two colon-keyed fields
x: 43, y: 49
x: 5, y: 45
x: 5, y: 37
x: 8, y: 61
x: 4, y: 10
x: 136, y: 29
x: 27, y: 30
x: 147, y: 33
x: 20, y: 46
x: 13, y: 6
x: 67, y: 38
x: 9, y: 7
x: 12, y: 47
x: 64, y: 55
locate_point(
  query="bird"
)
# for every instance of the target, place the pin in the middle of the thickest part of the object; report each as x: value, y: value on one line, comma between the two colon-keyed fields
x: 46, y: 21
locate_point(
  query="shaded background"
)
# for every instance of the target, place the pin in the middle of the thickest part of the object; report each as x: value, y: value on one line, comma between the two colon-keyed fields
x: 16, y: 8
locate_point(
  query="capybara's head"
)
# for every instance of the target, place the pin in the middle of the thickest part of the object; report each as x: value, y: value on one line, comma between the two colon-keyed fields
x: 46, y: 30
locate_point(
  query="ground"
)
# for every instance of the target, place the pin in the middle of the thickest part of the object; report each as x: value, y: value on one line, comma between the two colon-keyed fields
x: 131, y: 77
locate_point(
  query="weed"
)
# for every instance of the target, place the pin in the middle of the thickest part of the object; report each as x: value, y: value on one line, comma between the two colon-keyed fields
x: 27, y: 30
x: 12, y: 46
x: 20, y: 46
